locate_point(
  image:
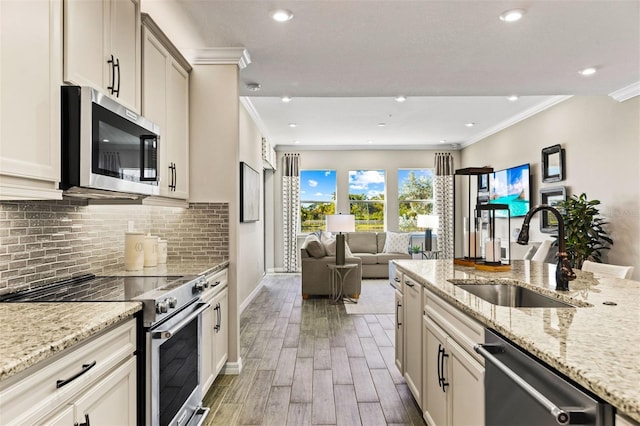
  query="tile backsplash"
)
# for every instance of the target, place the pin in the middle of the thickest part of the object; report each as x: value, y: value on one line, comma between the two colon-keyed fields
x: 44, y: 241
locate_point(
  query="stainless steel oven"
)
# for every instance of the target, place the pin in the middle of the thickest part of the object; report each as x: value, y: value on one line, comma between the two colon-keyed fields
x: 170, y: 392
x: 174, y: 360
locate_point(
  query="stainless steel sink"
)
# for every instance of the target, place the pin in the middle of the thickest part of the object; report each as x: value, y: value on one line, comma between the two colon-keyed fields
x: 513, y: 296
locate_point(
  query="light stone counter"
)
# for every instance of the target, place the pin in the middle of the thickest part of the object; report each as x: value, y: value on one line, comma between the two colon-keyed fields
x: 596, y: 345
x: 33, y: 332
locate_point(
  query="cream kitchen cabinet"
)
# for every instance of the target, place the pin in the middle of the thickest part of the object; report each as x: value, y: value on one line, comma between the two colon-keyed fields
x: 102, y: 48
x: 30, y: 77
x: 412, y: 324
x: 453, y: 374
x: 214, y: 329
x: 399, y: 341
x: 166, y: 103
x: 94, y: 382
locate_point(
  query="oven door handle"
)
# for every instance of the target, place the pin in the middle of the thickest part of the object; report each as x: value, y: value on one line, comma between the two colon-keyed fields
x: 562, y: 417
x: 168, y: 333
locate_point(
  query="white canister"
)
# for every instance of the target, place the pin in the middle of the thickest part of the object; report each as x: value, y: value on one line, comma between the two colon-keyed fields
x: 133, y: 251
x: 150, y: 251
x: 162, y: 251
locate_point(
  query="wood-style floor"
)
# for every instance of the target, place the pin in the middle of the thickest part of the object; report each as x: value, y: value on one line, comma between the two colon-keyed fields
x: 306, y: 362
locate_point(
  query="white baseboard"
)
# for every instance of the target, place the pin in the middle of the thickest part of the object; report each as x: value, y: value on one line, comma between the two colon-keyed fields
x: 252, y: 296
x: 232, y: 368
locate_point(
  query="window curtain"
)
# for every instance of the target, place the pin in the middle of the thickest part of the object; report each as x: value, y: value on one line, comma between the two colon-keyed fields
x: 290, y: 210
x: 444, y: 203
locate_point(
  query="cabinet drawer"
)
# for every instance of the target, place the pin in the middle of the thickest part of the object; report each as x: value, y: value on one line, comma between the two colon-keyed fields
x: 37, y: 391
x: 217, y: 281
x: 465, y: 330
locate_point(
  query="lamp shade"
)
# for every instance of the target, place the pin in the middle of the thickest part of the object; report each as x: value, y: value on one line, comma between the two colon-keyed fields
x: 341, y: 223
x: 427, y: 221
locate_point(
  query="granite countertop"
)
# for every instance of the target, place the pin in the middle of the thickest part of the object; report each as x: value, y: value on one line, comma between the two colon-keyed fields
x: 32, y: 332
x: 596, y: 345
x: 173, y: 267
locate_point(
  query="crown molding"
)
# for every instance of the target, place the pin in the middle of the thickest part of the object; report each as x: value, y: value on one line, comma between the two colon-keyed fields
x: 516, y: 119
x: 449, y: 147
x: 628, y: 92
x: 219, y: 56
x: 253, y: 113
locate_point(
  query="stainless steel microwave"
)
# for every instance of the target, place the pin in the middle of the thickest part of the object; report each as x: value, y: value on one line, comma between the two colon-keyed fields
x: 107, y: 150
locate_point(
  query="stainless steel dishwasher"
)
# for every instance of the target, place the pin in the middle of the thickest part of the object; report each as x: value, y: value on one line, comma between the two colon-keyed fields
x: 520, y: 390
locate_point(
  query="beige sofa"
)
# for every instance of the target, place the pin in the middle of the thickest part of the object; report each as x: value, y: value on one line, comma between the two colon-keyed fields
x: 367, y: 252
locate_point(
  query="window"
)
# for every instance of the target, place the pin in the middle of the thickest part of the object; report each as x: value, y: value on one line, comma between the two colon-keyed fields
x: 366, y: 199
x: 415, y: 196
x: 317, y: 198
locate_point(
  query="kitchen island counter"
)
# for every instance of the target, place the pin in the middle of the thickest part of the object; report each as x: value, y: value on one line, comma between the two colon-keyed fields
x: 595, y: 344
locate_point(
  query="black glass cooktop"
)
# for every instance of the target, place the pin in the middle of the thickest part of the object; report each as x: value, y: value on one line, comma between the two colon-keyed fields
x: 92, y: 288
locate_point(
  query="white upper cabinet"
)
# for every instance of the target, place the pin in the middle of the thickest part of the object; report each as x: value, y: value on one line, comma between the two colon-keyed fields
x: 165, y: 102
x: 30, y: 78
x: 102, y: 47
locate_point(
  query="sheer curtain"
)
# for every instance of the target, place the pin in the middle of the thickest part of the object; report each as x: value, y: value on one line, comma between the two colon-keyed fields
x: 290, y: 210
x: 443, y: 192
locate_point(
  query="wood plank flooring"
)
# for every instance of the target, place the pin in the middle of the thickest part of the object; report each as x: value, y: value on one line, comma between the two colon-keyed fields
x: 306, y: 362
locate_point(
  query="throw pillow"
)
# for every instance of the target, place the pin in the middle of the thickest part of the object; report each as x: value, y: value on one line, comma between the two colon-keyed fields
x: 329, y: 242
x: 314, y: 247
x: 396, y: 242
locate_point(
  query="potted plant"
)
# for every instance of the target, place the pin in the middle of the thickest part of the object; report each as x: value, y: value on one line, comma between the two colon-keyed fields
x: 585, y: 236
x: 416, y: 252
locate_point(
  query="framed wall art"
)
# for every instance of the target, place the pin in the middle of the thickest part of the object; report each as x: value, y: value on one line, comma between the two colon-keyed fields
x: 551, y: 196
x: 553, y: 164
x: 249, y: 194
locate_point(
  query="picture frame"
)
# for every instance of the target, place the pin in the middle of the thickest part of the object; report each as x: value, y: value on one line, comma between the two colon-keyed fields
x: 551, y: 196
x: 249, y: 194
x: 483, y: 183
x: 553, y: 169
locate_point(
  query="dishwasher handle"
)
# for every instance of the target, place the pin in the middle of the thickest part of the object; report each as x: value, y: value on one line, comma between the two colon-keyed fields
x: 561, y: 416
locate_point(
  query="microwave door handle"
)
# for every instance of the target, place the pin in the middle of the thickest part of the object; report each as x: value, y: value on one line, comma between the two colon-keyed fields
x: 143, y: 157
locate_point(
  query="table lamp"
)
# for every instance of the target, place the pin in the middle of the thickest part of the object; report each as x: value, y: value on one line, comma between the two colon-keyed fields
x: 427, y: 221
x: 340, y: 223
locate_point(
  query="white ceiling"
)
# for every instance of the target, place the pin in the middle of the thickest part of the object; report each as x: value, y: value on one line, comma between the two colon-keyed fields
x: 343, y: 61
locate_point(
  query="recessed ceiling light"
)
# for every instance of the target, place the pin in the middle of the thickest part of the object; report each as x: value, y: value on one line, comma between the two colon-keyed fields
x: 369, y: 142
x: 470, y: 124
x: 292, y: 124
x: 296, y: 142
x: 512, y: 15
x: 443, y: 141
x: 382, y: 124
x: 286, y: 99
x: 254, y: 87
x: 281, y: 15
x: 512, y: 98
x: 587, y: 71
x: 400, y: 98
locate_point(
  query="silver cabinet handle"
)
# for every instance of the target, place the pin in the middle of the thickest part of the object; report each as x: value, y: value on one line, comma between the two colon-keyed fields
x: 561, y: 416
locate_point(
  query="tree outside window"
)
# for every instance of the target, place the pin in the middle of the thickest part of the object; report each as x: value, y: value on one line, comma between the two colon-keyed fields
x: 317, y: 198
x: 366, y: 199
x: 415, y: 196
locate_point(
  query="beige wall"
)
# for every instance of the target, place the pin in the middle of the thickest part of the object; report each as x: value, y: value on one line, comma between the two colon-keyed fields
x: 251, y: 234
x: 342, y: 162
x: 601, y: 138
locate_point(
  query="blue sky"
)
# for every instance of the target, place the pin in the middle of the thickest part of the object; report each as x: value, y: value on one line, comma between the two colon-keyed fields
x: 317, y: 185
x: 369, y: 182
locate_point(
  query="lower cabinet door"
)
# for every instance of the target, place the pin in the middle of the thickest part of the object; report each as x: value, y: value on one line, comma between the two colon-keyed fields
x: 112, y: 401
x: 435, y: 404
x: 467, y: 387
x: 207, y: 371
x: 221, y: 332
x: 399, y: 332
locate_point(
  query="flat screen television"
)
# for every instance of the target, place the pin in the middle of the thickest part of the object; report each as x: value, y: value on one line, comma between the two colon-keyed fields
x: 511, y: 187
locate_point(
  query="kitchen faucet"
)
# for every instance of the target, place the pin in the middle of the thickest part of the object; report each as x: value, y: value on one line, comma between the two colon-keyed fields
x: 564, y: 273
